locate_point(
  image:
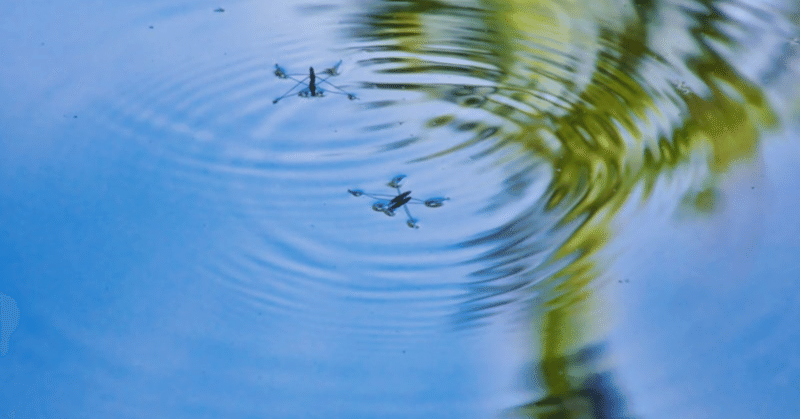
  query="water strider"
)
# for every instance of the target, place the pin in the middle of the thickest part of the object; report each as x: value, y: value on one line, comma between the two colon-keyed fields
x: 311, y: 82
x: 388, y: 204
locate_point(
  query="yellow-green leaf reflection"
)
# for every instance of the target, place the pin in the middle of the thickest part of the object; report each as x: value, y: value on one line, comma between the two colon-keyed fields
x: 610, y: 96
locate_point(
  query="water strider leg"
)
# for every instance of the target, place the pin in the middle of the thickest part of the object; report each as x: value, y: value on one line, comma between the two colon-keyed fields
x: 299, y: 82
x: 341, y: 91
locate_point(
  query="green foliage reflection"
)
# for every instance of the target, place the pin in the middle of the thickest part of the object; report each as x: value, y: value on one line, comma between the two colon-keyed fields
x: 583, y: 89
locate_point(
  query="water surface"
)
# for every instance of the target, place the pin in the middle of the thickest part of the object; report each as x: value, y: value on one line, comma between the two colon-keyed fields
x: 618, y: 238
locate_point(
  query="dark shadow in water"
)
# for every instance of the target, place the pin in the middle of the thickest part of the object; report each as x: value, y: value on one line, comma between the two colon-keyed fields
x: 594, y: 392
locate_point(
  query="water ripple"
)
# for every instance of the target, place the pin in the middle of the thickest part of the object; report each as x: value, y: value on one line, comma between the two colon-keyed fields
x: 545, y: 128
x: 596, y: 106
x: 591, y: 104
x: 280, y: 174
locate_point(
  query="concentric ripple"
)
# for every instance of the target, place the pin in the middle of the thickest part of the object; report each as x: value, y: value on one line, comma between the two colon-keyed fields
x: 538, y: 131
x: 281, y: 172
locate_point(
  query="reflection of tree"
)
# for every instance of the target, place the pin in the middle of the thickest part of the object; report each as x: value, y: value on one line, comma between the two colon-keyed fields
x: 593, y: 393
x: 581, y: 89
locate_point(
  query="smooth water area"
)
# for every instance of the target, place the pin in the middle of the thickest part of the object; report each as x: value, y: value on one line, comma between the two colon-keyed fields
x: 611, y: 225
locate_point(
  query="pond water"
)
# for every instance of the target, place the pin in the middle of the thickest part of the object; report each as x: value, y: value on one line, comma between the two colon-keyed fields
x: 617, y: 235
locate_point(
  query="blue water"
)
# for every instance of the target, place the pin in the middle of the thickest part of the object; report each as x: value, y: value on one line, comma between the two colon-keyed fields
x: 174, y: 244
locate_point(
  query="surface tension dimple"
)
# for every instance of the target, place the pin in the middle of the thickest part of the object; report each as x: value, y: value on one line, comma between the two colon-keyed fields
x: 435, y: 202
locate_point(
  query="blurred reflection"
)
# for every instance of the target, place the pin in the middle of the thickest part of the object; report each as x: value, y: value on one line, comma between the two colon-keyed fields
x: 593, y: 392
x: 609, y: 97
